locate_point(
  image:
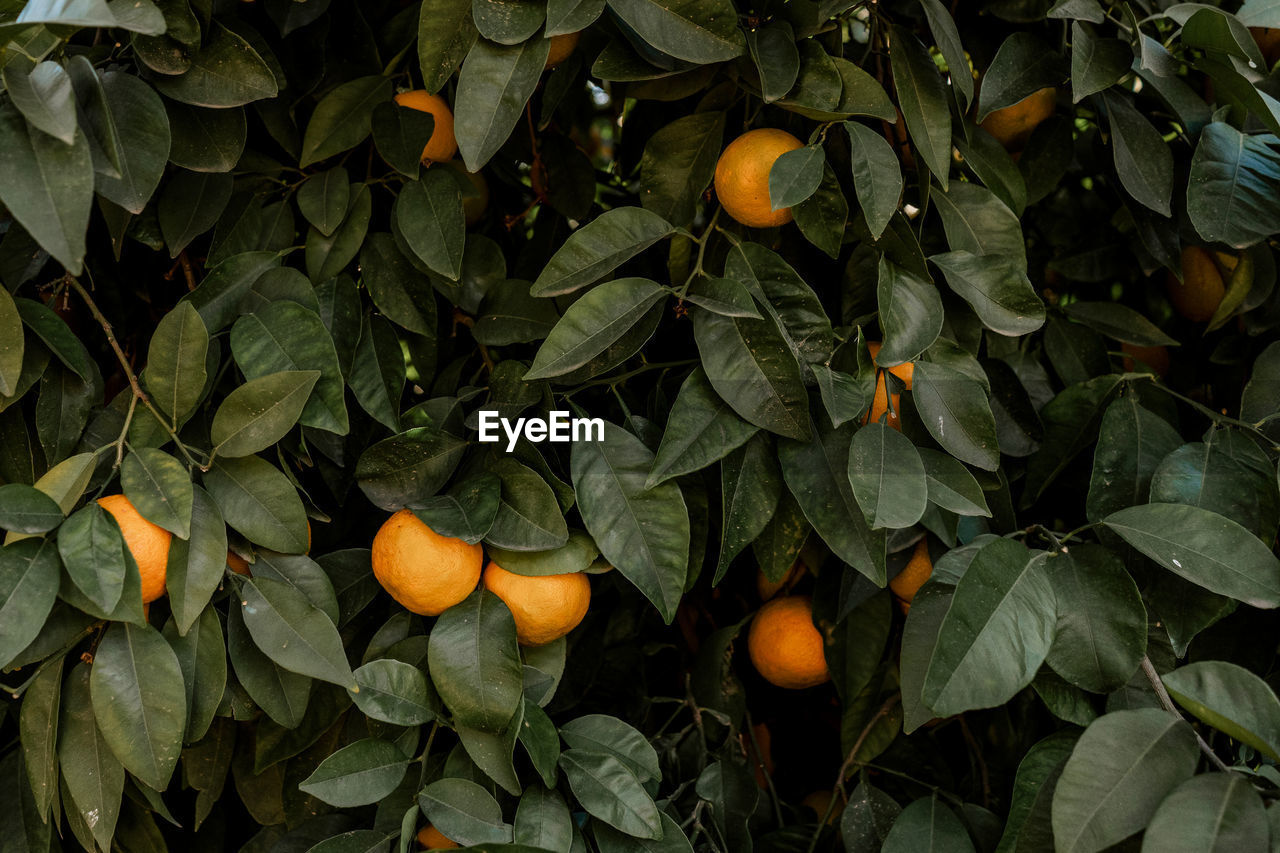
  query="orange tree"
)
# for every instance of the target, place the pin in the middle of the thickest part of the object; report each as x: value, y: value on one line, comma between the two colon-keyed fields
x: 923, y: 359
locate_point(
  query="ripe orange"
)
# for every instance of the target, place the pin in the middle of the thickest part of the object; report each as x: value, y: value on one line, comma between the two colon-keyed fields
x: 1012, y: 125
x: 442, y: 145
x: 913, y: 575
x: 767, y: 589
x: 238, y: 564
x: 1156, y: 358
x: 1268, y: 39
x: 147, y: 542
x: 561, y: 49
x: 742, y: 176
x: 424, y: 571
x: 545, y: 608
x: 785, y: 646
x: 1200, y: 292
x: 433, y: 839
x: 905, y: 371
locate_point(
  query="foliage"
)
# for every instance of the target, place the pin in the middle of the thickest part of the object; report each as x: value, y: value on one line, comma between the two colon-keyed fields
x: 233, y: 293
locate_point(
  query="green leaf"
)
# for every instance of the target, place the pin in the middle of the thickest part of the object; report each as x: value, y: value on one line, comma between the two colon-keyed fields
x: 1218, y: 812
x: 358, y: 774
x: 945, y: 35
x: 598, y: 248
x: 38, y: 734
x: 206, y: 140
x: 93, y: 551
x: 446, y: 32
x: 678, y: 163
x: 467, y: 511
x: 12, y: 345
x: 1096, y: 63
x: 400, y: 135
x: 1101, y: 632
x: 951, y: 486
x: 323, y: 198
x: 817, y: 474
x: 868, y: 816
x: 910, y: 314
x: 610, y: 791
x: 691, y: 30
x: 202, y: 657
x: 394, y: 692
x: 326, y: 257
x: 1231, y: 699
x: 29, y: 577
x: 1143, y: 160
x: 795, y: 176
x: 543, y: 820
x: 134, y: 116
x: 26, y: 509
x: 494, y: 85
x: 259, y: 413
x: 1023, y: 65
x: 139, y: 701
x: 160, y: 488
x: 701, y: 429
x: 823, y: 217
x: 888, y: 477
x: 575, y: 555
x: 47, y: 187
x: 592, y: 324
x: 285, y: 336
x: 378, y: 371
x: 408, y: 468
x: 570, y: 16
x: 218, y: 297
x: 955, y: 410
x: 399, y: 290
x: 175, y: 374
x: 752, y: 367
x: 777, y: 60
x: 190, y: 204
x: 1120, y: 770
x: 922, y: 97
x: 259, y: 501
x: 999, y: 292
x: 927, y: 824
x: 464, y: 812
x: 1226, y: 474
x: 611, y: 736
x: 996, y: 633
x: 1228, y: 199
x: 225, y: 72
x: 642, y: 532
x: 293, y: 632
x: 341, y: 121
x: 1131, y: 444
x: 877, y: 177
x: 750, y: 487
x: 978, y: 222
x: 94, y: 776
x: 197, y: 564
x: 1205, y: 548
x: 475, y: 662
x: 723, y: 296
x: 428, y: 213
x: 1120, y: 322
x: 44, y: 96
x: 281, y: 694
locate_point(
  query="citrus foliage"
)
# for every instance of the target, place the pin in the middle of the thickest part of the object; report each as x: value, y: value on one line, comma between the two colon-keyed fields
x: 963, y: 357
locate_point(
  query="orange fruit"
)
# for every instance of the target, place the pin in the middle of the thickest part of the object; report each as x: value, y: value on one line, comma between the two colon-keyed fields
x: 1012, y: 125
x: 545, y: 608
x: 742, y: 176
x: 904, y: 371
x: 424, y: 571
x: 433, y: 839
x: 561, y: 49
x: 1268, y: 39
x: 442, y: 145
x: 1200, y: 292
x: 819, y: 802
x: 147, y: 542
x: 880, y: 405
x: 767, y: 589
x: 913, y: 575
x: 238, y: 564
x: 785, y: 645
x: 1156, y: 358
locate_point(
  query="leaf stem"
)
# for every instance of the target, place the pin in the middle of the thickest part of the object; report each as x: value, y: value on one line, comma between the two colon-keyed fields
x: 1166, y: 702
x: 702, y: 252
x: 134, y: 385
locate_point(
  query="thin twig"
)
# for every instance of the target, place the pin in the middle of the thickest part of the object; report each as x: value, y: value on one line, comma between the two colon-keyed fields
x: 849, y: 761
x: 1167, y: 702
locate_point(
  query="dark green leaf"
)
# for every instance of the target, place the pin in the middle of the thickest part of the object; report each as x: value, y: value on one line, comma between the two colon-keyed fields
x: 467, y: 511
x: 293, y: 632
x: 955, y: 410
x: 999, y: 293
x: 342, y: 120
x: 29, y: 575
x: 160, y: 488
x: 928, y: 824
x: 225, y: 72
x: 358, y: 774
x: 877, y: 177
x: 25, y: 509
x: 1228, y: 199
x: 1218, y: 812
x: 93, y: 775
x: 1131, y: 443
x: 196, y: 565
x: 599, y: 247
x: 1231, y: 699
x: 610, y: 791
x: 428, y: 213
x: 93, y: 551
x: 910, y: 314
x: 922, y: 97
x: 394, y: 692
x: 887, y: 476
x: 795, y: 176
x: 475, y: 662
x: 408, y: 468
x: 592, y: 324
x: 464, y: 811
x: 699, y: 32
x: 259, y: 501
x: 701, y: 429
x: 494, y: 85
x: 679, y: 162
x: 259, y: 413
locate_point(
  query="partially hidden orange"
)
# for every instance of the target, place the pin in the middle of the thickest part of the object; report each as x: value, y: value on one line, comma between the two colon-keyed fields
x: 424, y: 571
x: 785, y: 646
x: 546, y: 607
x: 742, y: 176
x: 442, y: 145
x: 147, y: 542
